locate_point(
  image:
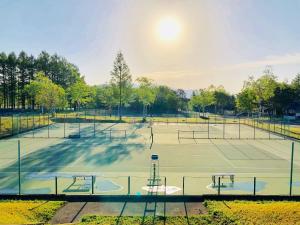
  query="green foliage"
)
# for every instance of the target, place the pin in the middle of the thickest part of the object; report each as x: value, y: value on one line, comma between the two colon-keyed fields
x: 283, y: 97
x: 27, y: 212
x: 258, y: 93
x: 166, y: 100
x: 18, y: 71
x: 203, y: 98
x: 145, y: 92
x: 295, y: 85
x: 246, y: 100
x: 121, y: 81
x: 219, y: 213
x: 148, y: 220
x: 105, y: 97
x: 264, y: 87
x: 182, y: 100
x: 252, y: 212
x: 46, y: 94
x: 223, y: 100
x: 80, y: 93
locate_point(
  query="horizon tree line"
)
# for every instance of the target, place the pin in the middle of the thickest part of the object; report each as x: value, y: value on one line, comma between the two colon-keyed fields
x: 18, y: 71
x: 50, y: 82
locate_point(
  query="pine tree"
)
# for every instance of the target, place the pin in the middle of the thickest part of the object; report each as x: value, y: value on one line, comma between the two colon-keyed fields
x: 3, y: 79
x: 121, y: 81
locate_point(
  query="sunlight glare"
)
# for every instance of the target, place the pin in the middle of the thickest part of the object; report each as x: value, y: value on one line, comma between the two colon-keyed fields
x: 168, y: 29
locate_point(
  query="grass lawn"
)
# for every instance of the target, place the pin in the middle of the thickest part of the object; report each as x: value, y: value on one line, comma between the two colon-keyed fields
x: 25, y: 212
x: 220, y: 212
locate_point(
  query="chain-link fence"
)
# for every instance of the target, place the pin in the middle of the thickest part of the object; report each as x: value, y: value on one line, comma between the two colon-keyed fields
x: 65, y: 168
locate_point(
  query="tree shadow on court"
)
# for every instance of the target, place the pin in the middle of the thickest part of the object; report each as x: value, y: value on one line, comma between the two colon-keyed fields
x: 74, y: 155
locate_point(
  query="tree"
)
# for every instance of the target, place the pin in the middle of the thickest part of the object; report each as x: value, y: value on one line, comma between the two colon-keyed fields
x: 1, y: 99
x: 295, y: 85
x: 296, y: 82
x: 105, y: 97
x: 121, y: 81
x: 79, y: 94
x: 46, y: 94
x: 166, y: 100
x: 16, y: 72
x: 4, y: 79
x: 264, y: 88
x: 31, y: 69
x: 24, y: 76
x: 202, y: 98
x: 223, y: 100
x: 284, y: 96
x: 146, y: 93
x: 246, y: 100
x: 12, y: 77
x: 182, y: 100
x: 43, y: 63
x: 258, y: 93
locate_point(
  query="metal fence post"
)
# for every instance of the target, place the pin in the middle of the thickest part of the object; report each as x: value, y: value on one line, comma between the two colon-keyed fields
x: 18, y: 124
x: 219, y: 185
x: 284, y: 130
x: 165, y: 185
x: 224, y: 121
x: 55, y: 185
x: 33, y: 125
x: 95, y: 123
x: 183, y: 185
x: 19, y: 166
x: 254, y: 128
x: 292, y: 167
x: 64, y: 125
x: 269, y: 127
x: 128, y: 185
x: 93, y: 182
x: 208, y: 128
x: 239, y: 128
x: 254, y: 186
x: 48, y: 125
x: 12, y: 124
x: 78, y: 120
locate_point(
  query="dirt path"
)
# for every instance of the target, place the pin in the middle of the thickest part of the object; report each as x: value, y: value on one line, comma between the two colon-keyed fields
x: 72, y: 212
x: 68, y: 213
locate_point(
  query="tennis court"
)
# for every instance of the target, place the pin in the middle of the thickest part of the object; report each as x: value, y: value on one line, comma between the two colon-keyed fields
x: 114, y: 158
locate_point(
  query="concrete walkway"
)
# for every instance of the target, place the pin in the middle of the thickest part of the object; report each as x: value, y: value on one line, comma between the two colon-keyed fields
x: 73, y: 211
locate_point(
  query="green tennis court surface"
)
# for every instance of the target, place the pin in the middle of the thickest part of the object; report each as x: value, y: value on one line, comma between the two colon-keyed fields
x: 118, y: 155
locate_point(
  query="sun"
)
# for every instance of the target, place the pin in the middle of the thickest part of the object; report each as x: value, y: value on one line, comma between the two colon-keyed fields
x: 168, y: 29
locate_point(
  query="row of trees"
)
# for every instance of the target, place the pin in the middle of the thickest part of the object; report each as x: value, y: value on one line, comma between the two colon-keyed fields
x: 267, y: 95
x: 120, y: 92
x: 214, y: 99
x: 18, y: 71
x: 51, y: 83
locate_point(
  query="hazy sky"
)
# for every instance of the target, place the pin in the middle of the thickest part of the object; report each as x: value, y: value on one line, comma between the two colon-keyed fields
x: 221, y: 42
